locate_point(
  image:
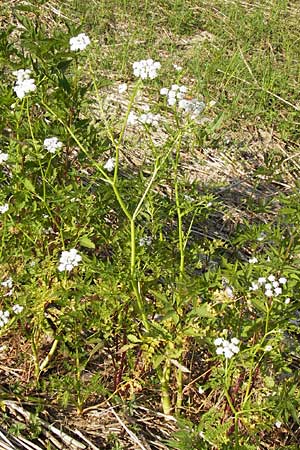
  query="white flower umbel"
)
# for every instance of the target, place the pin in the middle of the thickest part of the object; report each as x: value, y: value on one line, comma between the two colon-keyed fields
x: 270, y: 285
x: 150, y: 119
x: 7, y: 283
x: 79, y: 42
x: 4, y: 318
x: 146, y: 68
x: 24, y: 83
x: 69, y: 260
x: 227, y: 348
x: 52, y: 144
x: 3, y: 157
x: 17, y: 309
x: 4, y: 208
x: 193, y: 107
x: 110, y: 164
x: 174, y: 94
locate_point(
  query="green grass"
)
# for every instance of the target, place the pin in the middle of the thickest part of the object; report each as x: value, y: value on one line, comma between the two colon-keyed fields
x: 164, y: 239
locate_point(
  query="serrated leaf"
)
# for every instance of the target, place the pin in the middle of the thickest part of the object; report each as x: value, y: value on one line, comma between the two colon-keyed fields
x: 85, y: 241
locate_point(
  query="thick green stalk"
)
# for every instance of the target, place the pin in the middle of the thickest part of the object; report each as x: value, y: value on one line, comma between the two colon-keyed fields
x: 165, y: 392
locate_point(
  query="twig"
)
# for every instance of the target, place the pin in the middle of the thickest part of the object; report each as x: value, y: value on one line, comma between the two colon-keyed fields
x: 133, y: 436
x: 93, y: 447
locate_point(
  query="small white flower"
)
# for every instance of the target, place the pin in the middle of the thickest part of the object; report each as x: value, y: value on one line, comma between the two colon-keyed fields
x: 252, y: 260
x: 200, y: 390
x: 278, y: 291
x: 7, y: 283
x: 4, y: 208
x: 52, y: 144
x: 17, y: 309
x: 269, y: 293
x: 282, y: 280
x: 122, y: 88
x: 3, y: 157
x: 261, y: 280
x: 132, y: 118
x: 287, y: 300
x: 79, y: 42
x: 219, y: 350
x: 261, y: 236
x: 69, y: 260
x: 211, y: 103
x: 147, y: 240
x: 164, y: 91
x: 268, y: 286
x: 254, y: 286
x: 268, y: 348
x: 275, y: 284
x: 24, y: 83
x: 4, y: 318
x: 271, y: 278
x: 227, y: 353
x: 278, y: 424
x: 218, y: 341
x: 171, y: 101
x: 177, y: 68
x: 229, y: 292
x: 110, y: 164
x: 235, y: 341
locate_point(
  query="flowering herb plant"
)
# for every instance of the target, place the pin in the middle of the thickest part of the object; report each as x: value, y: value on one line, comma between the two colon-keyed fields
x: 115, y: 251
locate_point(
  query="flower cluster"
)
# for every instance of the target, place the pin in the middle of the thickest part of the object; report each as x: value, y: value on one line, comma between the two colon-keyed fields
x: 52, y: 144
x: 150, y: 119
x: 4, y: 318
x: 24, y: 83
x: 146, y: 68
x: 69, y: 260
x: 4, y: 208
x: 17, y: 309
x: 176, y: 93
x: 272, y: 286
x: 147, y: 240
x: 8, y: 284
x: 3, y: 157
x: 193, y: 107
x: 145, y: 118
x: 110, y: 164
x: 5, y: 315
x: 227, y: 348
x: 79, y: 42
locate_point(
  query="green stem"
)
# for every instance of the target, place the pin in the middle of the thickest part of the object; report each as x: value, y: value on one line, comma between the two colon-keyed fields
x: 165, y: 383
x: 49, y: 356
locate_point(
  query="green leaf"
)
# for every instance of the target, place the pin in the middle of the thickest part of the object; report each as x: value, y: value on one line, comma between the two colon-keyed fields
x: 28, y: 185
x: 133, y: 338
x: 85, y: 241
